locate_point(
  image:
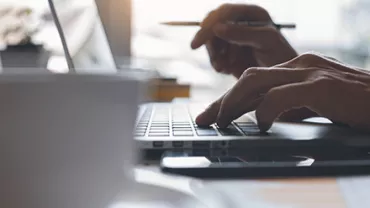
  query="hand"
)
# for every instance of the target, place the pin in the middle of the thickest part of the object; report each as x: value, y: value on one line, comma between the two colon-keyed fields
x: 232, y: 48
x: 321, y: 85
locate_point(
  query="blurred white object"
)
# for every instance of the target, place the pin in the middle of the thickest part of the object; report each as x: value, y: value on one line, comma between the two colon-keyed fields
x: 66, y: 140
x: 57, y: 64
x: 154, y: 189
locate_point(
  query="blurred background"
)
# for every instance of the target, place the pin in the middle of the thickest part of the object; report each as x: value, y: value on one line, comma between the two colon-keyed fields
x: 337, y: 28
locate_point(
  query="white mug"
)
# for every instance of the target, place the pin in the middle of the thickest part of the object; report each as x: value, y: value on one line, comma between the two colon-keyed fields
x: 65, y: 140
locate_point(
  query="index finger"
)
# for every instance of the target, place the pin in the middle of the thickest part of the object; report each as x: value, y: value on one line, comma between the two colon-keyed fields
x: 209, y: 115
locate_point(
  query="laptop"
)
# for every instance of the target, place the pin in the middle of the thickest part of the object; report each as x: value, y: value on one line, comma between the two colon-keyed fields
x: 171, y: 126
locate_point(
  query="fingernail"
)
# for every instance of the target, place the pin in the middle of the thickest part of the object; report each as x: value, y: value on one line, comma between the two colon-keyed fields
x: 199, y: 119
x: 202, y: 120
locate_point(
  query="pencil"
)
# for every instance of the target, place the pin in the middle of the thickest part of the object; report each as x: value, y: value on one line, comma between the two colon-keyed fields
x: 247, y: 23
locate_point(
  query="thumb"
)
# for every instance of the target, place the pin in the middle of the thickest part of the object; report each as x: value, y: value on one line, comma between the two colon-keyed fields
x: 245, y: 35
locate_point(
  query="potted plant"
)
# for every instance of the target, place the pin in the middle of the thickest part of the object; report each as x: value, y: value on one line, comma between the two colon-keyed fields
x: 17, y: 27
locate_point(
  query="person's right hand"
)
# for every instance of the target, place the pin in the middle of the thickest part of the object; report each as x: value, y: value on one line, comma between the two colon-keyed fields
x: 321, y: 85
x: 233, y: 48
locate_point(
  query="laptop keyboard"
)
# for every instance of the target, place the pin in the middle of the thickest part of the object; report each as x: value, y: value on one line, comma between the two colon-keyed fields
x: 166, y: 121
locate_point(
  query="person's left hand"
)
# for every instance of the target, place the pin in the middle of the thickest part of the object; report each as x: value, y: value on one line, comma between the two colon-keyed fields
x: 324, y: 86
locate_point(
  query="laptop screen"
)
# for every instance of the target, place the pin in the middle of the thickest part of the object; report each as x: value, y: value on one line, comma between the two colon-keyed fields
x: 85, y: 36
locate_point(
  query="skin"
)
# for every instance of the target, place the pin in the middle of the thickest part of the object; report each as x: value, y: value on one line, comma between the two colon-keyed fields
x: 326, y: 87
x: 234, y: 48
x: 273, y: 80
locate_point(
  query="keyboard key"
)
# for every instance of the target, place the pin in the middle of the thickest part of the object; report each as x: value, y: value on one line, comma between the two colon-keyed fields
x: 159, y: 122
x: 180, y: 122
x: 184, y: 125
x: 159, y: 134
x: 230, y: 131
x: 183, y: 133
x: 142, y: 125
x: 253, y: 131
x: 140, y: 130
x: 177, y: 130
x: 181, y: 127
x: 246, y: 124
x: 159, y: 131
x: 160, y: 126
x: 203, y: 127
x: 206, y: 132
x: 249, y: 129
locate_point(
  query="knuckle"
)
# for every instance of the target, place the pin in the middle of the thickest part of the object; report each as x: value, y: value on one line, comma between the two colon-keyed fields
x: 310, y: 58
x: 324, y: 82
x: 250, y: 72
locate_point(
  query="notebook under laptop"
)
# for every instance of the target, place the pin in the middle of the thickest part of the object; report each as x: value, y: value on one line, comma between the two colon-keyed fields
x: 164, y: 126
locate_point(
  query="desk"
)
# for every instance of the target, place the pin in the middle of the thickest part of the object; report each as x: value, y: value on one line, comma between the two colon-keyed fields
x: 280, y: 193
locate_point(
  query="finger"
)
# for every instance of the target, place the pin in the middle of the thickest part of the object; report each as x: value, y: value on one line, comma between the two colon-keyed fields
x: 201, y: 37
x: 205, y: 33
x: 256, y: 37
x: 281, y: 99
x: 225, y: 118
x: 208, y: 116
x: 227, y: 12
x: 253, y: 83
